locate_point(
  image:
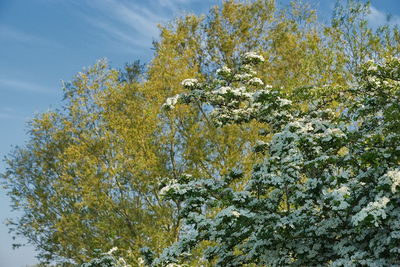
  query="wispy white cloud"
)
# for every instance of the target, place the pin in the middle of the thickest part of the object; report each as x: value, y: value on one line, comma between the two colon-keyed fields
x: 137, y: 17
x: 129, y: 23
x: 6, y: 116
x: 117, y: 33
x: 7, y: 113
x: 378, y: 18
x: 174, y: 5
x: 11, y: 34
x: 24, y: 86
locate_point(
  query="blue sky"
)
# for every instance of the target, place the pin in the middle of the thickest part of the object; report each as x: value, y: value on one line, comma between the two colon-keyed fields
x: 45, y: 41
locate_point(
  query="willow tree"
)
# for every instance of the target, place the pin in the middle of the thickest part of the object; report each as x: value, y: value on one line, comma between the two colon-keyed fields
x: 90, y: 175
x: 85, y: 178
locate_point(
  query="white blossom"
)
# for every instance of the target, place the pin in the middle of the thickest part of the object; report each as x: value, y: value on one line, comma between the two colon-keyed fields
x: 172, y: 185
x: 112, y: 250
x: 141, y: 261
x: 235, y: 214
x: 224, y: 71
x: 255, y: 81
x: 171, y: 102
x: 375, y: 209
x: 395, y: 179
x: 253, y: 57
x: 223, y: 90
x: 189, y: 83
x: 243, y: 76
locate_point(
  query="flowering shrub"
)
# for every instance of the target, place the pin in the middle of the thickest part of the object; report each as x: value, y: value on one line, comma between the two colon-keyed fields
x: 326, y: 191
x: 107, y: 260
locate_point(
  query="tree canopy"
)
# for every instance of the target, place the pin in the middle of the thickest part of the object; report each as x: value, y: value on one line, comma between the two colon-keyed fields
x: 326, y: 192
x: 90, y: 176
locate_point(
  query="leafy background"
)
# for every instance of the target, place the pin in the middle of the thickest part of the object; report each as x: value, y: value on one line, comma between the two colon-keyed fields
x: 44, y: 41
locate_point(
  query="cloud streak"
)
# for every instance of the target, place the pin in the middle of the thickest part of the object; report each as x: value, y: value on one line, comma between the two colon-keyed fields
x: 8, y: 113
x: 139, y: 18
x: 23, y: 86
x: 117, y: 33
x: 12, y: 114
x: 378, y: 18
x: 130, y: 24
x: 10, y: 34
x: 124, y: 22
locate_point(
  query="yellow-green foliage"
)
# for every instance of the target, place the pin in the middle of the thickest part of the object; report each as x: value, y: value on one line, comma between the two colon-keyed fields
x: 89, y: 177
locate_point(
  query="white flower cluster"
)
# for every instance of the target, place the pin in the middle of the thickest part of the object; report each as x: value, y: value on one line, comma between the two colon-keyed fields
x: 107, y: 259
x: 172, y: 185
x: 141, y: 262
x: 223, y: 90
x: 375, y: 210
x: 112, y: 250
x: 171, y: 102
x: 252, y: 57
x: 330, y: 134
x: 394, y: 177
x: 338, y: 198
x: 190, y: 83
x: 372, y: 66
x: 255, y: 81
x: 243, y: 77
x: 224, y: 71
x: 236, y: 214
